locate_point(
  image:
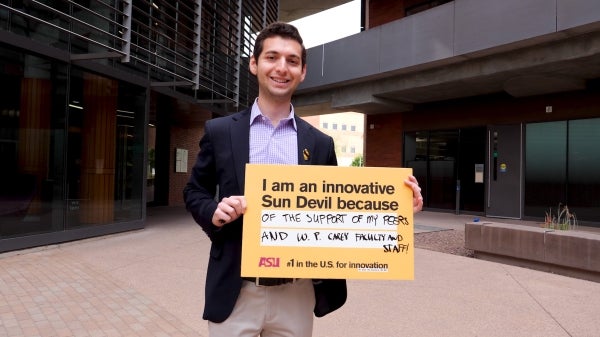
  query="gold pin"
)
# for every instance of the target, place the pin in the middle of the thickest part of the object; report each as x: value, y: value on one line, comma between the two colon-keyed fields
x: 306, y: 154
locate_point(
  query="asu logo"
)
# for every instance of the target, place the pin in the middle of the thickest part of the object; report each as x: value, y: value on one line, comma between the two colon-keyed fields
x: 268, y: 262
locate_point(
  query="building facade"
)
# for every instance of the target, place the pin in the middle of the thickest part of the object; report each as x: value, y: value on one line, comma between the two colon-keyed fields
x: 102, y: 105
x: 347, y: 131
x: 495, y: 105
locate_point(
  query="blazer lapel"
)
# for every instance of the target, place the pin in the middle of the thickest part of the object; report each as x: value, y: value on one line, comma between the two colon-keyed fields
x: 306, y: 143
x: 240, y: 145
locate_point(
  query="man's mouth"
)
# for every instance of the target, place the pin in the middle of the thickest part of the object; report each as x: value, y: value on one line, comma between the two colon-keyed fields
x: 280, y: 80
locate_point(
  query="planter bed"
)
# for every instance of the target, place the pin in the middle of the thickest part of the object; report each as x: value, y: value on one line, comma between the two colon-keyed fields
x: 571, y: 253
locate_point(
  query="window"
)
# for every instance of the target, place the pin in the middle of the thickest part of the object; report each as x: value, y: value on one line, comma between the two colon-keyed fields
x: 116, y: 195
x: 584, y: 164
x: 325, y: 125
x: 561, y: 166
x: 545, y: 166
x: 423, y: 6
x: 31, y: 173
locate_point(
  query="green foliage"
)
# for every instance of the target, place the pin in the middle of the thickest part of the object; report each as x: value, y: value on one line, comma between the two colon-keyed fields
x: 563, y: 219
x: 358, y: 161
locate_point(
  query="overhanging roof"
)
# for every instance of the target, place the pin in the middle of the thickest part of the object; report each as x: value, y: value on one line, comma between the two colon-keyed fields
x: 450, y: 52
x: 290, y: 10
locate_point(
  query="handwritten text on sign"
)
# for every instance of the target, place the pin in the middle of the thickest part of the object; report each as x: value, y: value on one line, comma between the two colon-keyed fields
x: 299, y: 215
x: 313, y: 229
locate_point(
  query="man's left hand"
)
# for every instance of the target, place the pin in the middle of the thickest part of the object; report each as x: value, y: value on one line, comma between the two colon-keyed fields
x: 417, y: 197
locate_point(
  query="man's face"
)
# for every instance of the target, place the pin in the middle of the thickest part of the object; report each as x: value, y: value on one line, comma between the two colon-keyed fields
x: 279, y: 68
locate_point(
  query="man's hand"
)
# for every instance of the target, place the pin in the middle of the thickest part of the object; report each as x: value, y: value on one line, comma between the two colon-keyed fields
x: 417, y: 197
x: 229, y: 209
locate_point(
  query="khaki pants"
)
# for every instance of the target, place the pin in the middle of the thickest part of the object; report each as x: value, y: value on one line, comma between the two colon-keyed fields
x: 276, y: 311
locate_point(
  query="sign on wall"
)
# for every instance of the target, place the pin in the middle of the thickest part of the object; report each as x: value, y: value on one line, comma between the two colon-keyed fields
x: 181, y: 160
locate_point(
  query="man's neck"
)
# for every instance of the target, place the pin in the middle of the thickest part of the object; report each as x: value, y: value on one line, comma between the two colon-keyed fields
x: 274, y: 110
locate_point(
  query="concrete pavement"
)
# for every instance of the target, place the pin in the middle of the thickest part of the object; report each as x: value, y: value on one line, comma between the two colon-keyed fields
x: 150, y: 283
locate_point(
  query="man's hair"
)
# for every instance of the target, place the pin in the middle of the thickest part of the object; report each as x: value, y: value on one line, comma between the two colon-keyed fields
x: 281, y: 29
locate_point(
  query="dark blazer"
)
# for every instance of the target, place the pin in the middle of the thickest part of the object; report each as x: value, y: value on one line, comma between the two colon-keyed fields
x: 224, y: 152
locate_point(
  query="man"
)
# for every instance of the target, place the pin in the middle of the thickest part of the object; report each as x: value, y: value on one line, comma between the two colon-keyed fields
x: 267, y: 133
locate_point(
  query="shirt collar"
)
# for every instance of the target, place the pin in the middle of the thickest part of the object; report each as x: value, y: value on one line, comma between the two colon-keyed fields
x: 255, y: 112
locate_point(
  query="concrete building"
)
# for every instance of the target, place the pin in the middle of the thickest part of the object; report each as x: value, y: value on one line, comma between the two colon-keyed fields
x: 103, y: 103
x: 494, y: 104
x: 347, y: 131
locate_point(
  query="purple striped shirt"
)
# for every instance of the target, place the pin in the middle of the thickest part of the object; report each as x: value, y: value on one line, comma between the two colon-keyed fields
x: 272, y: 145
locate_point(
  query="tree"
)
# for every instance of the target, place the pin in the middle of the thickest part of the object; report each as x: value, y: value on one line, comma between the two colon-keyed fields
x: 358, y: 161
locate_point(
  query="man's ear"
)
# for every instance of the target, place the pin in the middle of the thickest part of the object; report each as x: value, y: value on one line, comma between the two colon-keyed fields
x: 303, y: 73
x: 253, y: 65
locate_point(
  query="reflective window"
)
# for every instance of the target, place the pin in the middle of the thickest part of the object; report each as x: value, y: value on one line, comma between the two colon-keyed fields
x: 415, y: 157
x: 584, y: 167
x: 72, y: 153
x: 443, y: 152
x: 562, y: 165
x: 32, y: 96
x: 104, y: 156
x: 545, y: 166
x: 440, y: 158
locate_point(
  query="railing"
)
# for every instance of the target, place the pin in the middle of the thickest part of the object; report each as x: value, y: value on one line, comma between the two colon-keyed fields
x: 197, y: 47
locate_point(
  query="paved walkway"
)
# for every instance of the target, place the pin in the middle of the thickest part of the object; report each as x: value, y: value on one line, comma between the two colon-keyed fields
x: 150, y: 283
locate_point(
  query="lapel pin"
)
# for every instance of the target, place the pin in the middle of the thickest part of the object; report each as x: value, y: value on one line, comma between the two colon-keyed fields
x: 306, y: 154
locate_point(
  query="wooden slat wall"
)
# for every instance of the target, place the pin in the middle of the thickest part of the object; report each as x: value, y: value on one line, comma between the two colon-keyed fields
x: 34, y: 134
x: 98, y: 149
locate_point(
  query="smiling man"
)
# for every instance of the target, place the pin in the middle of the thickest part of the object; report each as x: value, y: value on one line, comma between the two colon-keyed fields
x: 267, y: 133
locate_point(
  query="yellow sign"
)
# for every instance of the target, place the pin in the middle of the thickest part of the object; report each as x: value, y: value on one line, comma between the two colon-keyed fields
x: 323, y: 222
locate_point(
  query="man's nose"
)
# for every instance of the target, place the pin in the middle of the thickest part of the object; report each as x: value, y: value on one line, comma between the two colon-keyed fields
x: 281, y: 64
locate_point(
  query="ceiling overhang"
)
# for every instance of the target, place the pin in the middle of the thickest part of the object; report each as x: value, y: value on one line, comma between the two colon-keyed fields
x: 291, y: 10
x: 521, y: 72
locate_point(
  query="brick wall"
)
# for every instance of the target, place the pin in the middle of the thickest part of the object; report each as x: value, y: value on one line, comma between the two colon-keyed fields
x: 385, y: 132
x: 182, y: 138
x: 383, y: 11
x: 502, y: 109
x: 384, y: 139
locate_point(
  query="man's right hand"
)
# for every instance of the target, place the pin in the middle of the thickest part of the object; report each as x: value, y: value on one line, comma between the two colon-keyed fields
x: 229, y: 209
